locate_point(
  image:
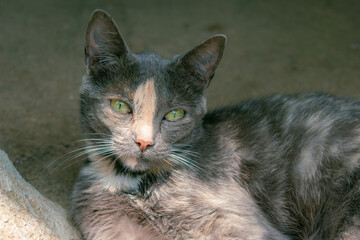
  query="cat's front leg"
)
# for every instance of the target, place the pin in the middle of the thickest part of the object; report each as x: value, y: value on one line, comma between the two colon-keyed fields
x: 228, y: 229
x: 100, y: 215
x: 122, y: 228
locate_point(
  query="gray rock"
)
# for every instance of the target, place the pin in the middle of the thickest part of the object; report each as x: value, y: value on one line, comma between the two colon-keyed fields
x: 25, y: 213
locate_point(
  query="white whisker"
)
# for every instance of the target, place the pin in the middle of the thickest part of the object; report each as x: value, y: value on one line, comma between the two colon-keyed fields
x: 100, y: 147
x: 184, y: 161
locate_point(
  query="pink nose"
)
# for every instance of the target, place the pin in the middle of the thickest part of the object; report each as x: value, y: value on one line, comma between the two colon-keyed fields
x: 143, y: 144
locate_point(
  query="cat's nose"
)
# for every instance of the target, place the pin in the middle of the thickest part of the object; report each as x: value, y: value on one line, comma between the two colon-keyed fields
x: 143, y: 144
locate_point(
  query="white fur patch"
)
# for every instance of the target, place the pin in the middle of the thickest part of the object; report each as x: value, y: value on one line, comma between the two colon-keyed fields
x: 131, y: 161
x: 319, y: 127
x: 308, y: 164
x: 112, y: 182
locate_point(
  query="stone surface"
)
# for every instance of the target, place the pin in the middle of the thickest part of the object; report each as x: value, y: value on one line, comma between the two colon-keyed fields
x: 25, y: 213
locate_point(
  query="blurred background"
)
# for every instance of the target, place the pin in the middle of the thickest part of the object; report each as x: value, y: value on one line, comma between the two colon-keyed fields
x: 277, y: 46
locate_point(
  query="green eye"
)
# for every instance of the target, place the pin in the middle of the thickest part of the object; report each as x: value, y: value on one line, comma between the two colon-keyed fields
x: 175, y: 115
x: 120, y: 106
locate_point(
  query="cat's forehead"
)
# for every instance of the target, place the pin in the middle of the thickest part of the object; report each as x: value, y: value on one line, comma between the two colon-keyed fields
x: 150, y: 65
x: 147, y: 69
x: 150, y: 69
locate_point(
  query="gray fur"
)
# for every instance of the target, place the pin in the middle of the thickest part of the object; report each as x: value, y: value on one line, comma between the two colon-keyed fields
x: 278, y: 167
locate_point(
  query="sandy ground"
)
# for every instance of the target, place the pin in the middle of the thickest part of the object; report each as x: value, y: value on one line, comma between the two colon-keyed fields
x: 273, y: 47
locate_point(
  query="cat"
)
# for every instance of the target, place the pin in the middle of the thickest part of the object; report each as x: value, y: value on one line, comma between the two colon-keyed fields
x: 160, y: 167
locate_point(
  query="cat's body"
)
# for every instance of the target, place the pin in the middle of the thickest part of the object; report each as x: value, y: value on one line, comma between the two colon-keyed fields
x: 281, y: 167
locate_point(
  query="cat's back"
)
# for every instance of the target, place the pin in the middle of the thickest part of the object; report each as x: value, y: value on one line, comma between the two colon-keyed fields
x: 280, y: 120
x: 287, y: 110
x: 297, y: 155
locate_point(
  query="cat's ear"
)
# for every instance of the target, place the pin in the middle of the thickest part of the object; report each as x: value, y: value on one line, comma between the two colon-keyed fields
x: 104, y: 44
x: 202, y: 60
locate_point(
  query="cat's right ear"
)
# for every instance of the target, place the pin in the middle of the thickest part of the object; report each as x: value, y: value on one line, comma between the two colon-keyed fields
x: 202, y: 61
x: 104, y: 44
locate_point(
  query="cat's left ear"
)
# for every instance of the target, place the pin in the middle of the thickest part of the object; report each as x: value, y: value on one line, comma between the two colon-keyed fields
x: 104, y: 44
x: 202, y: 60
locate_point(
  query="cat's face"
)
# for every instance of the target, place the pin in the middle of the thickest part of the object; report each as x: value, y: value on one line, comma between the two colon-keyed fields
x: 141, y: 110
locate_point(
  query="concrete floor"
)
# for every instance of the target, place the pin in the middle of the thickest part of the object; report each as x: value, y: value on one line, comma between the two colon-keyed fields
x: 273, y: 47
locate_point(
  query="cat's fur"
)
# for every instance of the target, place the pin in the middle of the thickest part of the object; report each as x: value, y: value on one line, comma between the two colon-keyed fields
x: 280, y: 167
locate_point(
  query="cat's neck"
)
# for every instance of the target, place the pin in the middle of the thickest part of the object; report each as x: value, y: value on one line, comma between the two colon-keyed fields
x: 114, y: 182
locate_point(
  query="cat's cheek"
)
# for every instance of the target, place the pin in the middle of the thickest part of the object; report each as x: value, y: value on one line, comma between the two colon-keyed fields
x: 173, y: 132
x: 118, y: 124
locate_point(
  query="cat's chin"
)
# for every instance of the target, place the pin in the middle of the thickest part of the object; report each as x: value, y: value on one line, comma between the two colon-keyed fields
x: 131, y: 162
x: 141, y: 164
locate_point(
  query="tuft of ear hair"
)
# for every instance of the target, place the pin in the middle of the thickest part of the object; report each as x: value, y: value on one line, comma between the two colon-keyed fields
x: 202, y: 61
x: 104, y: 44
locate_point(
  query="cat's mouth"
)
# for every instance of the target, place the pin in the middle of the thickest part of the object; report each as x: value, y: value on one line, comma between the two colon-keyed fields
x: 162, y: 161
x: 142, y: 164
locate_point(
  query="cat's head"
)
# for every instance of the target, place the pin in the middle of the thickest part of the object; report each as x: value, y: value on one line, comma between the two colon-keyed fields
x: 141, y: 111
